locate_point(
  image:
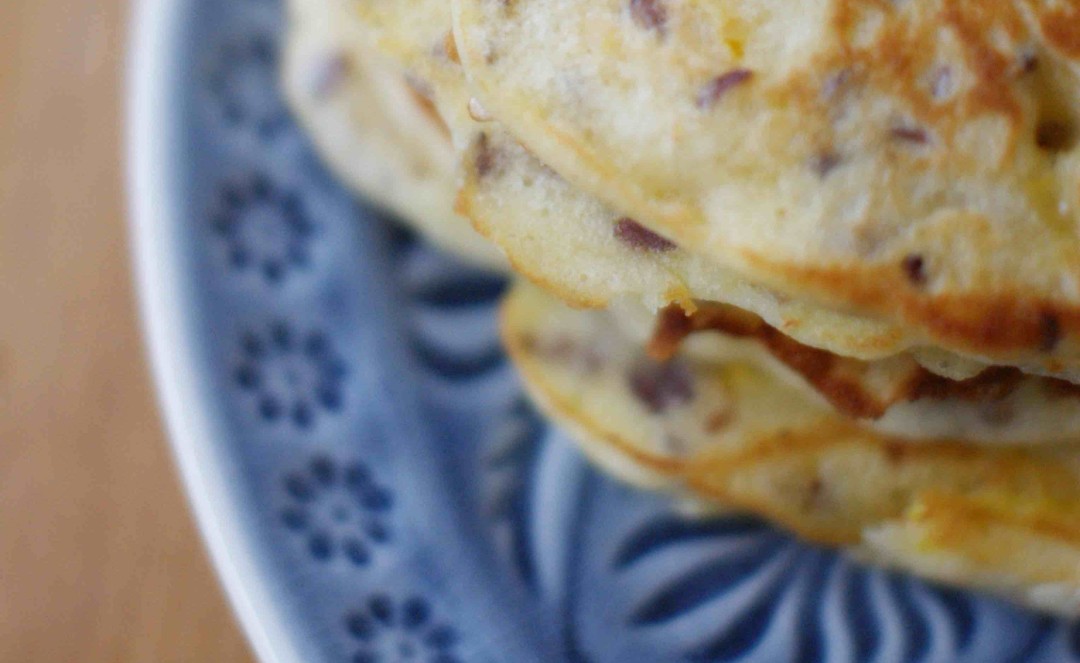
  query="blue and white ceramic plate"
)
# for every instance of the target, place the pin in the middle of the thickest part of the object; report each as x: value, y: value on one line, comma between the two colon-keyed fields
x: 365, y: 471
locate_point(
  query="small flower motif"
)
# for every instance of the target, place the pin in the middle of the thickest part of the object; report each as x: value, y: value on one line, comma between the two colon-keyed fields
x: 340, y: 511
x: 265, y: 229
x: 244, y: 87
x: 291, y: 376
x: 390, y: 632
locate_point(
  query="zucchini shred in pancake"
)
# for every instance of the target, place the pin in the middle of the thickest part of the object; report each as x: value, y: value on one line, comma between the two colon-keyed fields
x: 813, y: 327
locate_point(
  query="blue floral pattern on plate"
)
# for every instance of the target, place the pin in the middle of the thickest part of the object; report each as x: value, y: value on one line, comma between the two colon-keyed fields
x: 405, y: 501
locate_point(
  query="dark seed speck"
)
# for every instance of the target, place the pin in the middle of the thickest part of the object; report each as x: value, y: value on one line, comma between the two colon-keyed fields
x: 637, y: 236
x: 328, y: 75
x: 485, y: 156
x: 1049, y: 332
x: 1055, y: 136
x: 915, y: 267
x: 715, y: 89
x: 907, y: 134
x: 649, y: 14
x: 824, y: 163
x: 661, y: 385
x: 1027, y: 63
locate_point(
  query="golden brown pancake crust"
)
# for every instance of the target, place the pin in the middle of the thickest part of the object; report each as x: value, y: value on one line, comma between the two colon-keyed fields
x: 912, y: 160
x: 859, y: 389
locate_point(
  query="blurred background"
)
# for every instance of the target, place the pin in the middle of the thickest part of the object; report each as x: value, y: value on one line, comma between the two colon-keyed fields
x: 99, y: 558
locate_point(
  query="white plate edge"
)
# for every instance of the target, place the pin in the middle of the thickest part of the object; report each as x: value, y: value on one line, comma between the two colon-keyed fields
x: 150, y: 66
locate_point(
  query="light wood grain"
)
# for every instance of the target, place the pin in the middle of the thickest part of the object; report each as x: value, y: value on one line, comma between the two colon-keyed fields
x: 99, y: 560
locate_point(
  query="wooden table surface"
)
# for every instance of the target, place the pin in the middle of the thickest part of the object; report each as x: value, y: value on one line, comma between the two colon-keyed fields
x: 99, y: 558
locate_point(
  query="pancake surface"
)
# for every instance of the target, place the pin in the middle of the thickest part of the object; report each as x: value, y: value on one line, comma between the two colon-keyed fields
x: 582, y: 250
x: 568, y: 241
x: 916, y: 161
x: 730, y: 433
x: 592, y: 268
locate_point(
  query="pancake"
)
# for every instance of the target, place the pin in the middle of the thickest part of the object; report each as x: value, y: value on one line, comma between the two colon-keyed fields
x: 539, y: 221
x: 583, y: 251
x: 579, y: 249
x: 568, y: 241
x: 372, y: 130
x: 896, y: 396
x: 911, y: 161
x: 591, y: 267
x: 729, y: 432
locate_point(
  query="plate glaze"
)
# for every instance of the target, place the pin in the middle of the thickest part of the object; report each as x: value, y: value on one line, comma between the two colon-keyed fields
x: 369, y: 479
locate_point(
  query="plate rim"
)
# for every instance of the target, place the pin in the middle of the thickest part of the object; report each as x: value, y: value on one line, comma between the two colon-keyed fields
x: 151, y: 137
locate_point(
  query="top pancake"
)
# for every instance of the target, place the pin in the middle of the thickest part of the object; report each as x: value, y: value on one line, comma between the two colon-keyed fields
x: 916, y: 160
x: 562, y: 237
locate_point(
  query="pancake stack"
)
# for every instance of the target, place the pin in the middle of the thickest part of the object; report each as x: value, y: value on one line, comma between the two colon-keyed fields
x: 816, y: 261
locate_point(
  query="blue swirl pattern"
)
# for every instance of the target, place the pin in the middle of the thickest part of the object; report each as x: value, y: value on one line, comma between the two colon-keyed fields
x: 402, y: 497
